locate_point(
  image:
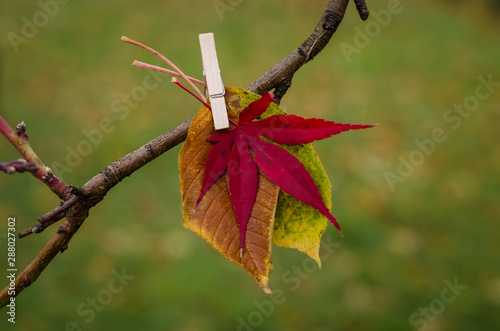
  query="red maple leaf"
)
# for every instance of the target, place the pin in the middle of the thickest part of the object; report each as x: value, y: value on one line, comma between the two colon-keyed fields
x: 232, y: 153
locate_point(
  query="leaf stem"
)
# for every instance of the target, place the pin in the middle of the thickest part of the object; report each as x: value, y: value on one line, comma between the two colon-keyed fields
x: 362, y: 9
x: 170, y: 63
x: 176, y: 82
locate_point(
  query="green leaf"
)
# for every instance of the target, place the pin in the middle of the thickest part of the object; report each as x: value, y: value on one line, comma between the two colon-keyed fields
x: 297, y: 225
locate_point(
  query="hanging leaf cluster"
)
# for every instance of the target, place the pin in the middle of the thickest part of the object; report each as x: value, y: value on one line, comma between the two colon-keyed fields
x: 258, y: 183
x: 230, y: 180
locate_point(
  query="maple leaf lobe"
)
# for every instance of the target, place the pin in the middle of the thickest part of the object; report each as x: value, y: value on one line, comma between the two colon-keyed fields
x: 276, y: 163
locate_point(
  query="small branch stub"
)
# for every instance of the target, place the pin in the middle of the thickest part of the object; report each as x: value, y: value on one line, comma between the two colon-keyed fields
x: 21, y: 130
x: 362, y: 9
x: 213, y: 79
x: 19, y: 165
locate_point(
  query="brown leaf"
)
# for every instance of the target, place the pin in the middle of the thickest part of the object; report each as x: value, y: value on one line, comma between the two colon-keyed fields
x: 214, y: 219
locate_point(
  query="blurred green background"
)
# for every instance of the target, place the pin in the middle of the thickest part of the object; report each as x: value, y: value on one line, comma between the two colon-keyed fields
x: 404, y: 239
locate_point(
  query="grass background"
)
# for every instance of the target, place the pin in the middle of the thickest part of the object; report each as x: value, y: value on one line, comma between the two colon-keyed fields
x: 440, y: 223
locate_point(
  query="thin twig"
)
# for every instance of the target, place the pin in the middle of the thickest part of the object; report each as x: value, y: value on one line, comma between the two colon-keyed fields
x: 19, y: 165
x: 51, y: 217
x: 204, y: 102
x: 19, y: 139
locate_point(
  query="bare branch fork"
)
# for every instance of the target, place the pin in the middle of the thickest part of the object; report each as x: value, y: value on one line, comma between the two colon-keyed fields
x: 76, y: 202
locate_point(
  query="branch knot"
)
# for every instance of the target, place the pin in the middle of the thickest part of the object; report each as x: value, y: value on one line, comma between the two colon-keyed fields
x: 332, y: 20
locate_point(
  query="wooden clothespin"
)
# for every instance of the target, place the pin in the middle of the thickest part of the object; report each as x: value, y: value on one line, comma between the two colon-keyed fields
x: 215, y: 87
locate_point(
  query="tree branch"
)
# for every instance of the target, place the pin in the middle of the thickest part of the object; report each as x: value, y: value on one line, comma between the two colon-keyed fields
x: 280, y: 76
x: 78, y: 202
x: 76, y: 208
